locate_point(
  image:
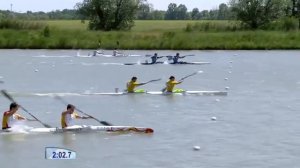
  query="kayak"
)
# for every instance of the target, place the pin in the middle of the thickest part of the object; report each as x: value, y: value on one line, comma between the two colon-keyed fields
x: 118, y: 55
x: 201, y: 93
x: 101, y: 54
x: 84, y: 128
x: 179, y: 63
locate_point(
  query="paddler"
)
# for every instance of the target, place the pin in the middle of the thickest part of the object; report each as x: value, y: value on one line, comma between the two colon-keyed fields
x: 154, y: 58
x: 10, y: 117
x: 68, y: 115
x: 176, y: 58
x: 132, y: 84
x: 171, y: 84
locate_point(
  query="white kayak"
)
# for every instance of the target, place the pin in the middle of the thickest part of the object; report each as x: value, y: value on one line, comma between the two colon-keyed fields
x: 101, y: 53
x: 84, y: 128
x: 201, y: 93
x: 166, y: 63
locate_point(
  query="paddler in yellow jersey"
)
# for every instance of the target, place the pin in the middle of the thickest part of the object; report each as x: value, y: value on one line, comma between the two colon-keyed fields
x: 9, y: 117
x: 171, y: 84
x: 131, y: 85
x: 68, y: 115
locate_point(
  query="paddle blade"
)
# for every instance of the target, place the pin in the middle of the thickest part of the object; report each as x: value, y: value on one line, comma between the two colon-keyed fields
x: 46, y: 125
x: 106, y: 123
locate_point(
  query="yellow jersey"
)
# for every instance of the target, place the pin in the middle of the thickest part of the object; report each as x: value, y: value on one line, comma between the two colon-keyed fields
x: 7, y: 120
x: 170, y: 85
x: 131, y: 86
x: 66, y: 120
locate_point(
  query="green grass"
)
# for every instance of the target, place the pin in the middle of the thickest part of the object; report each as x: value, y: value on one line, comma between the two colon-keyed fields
x: 150, y: 35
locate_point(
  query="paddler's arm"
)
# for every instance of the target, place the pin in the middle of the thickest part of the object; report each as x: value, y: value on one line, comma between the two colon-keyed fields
x: 81, y: 117
x: 140, y: 84
x: 84, y: 117
x: 19, y: 117
x: 179, y: 82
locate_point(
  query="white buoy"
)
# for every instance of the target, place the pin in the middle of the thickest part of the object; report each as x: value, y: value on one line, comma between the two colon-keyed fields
x: 36, y: 70
x: 213, y: 118
x: 227, y: 88
x: 196, y: 148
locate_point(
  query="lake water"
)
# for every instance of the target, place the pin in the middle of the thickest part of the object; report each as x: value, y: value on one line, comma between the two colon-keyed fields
x: 257, y: 123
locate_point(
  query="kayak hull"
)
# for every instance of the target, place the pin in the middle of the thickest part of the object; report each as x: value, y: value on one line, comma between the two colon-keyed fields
x: 179, y: 63
x: 90, y: 128
x: 200, y: 93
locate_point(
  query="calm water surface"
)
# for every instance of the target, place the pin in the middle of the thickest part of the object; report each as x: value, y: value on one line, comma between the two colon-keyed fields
x: 257, y: 123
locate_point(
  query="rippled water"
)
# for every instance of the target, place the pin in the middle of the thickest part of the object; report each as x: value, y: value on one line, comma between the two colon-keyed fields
x: 257, y: 123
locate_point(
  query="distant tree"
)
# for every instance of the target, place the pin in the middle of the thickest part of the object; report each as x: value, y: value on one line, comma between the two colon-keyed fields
x: 109, y: 14
x: 171, y: 12
x: 295, y: 9
x: 213, y: 14
x: 256, y: 13
x: 204, y: 15
x: 223, y: 12
x: 175, y: 12
x: 181, y: 13
x: 144, y: 10
x: 158, y: 14
x: 195, y: 14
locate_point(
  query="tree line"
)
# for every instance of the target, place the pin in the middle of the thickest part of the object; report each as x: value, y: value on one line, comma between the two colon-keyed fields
x: 145, y: 11
x: 120, y: 14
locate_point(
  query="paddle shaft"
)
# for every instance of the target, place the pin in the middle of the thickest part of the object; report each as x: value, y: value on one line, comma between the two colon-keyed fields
x: 12, y: 100
x: 183, y: 78
x: 101, y: 122
x: 154, y: 80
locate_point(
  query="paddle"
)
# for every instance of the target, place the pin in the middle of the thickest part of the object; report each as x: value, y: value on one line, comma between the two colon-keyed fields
x: 183, y: 78
x: 153, y: 80
x: 188, y: 55
x: 195, y: 73
x: 12, y: 100
x: 101, y: 122
x: 149, y: 55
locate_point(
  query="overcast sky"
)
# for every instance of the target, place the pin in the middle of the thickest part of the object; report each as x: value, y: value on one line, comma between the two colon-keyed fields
x: 50, y: 5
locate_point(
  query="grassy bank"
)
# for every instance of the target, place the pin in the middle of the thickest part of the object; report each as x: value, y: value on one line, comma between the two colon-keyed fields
x: 150, y: 35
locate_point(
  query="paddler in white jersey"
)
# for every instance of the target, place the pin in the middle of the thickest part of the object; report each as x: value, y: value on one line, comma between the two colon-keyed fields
x: 10, y: 117
x: 68, y: 115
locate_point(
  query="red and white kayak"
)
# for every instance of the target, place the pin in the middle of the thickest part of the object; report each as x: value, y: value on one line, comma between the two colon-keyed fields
x: 85, y: 128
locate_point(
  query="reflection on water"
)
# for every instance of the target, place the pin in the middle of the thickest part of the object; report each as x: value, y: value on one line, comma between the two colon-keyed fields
x: 68, y: 138
x: 11, y: 136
